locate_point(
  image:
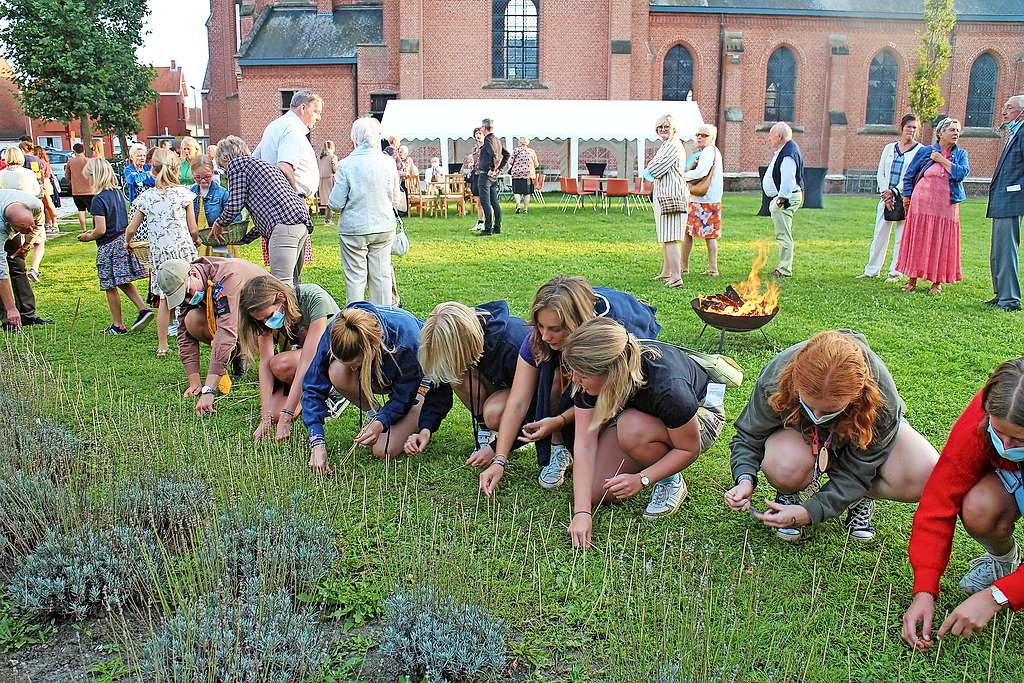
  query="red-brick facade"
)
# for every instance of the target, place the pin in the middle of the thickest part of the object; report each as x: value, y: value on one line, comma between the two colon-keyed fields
x: 443, y: 50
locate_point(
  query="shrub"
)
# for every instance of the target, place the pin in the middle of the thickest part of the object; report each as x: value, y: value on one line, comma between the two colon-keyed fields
x: 32, y: 505
x: 432, y: 637
x: 253, y: 637
x: 78, y: 574
x: 284, y: 548
x: 40, y: 443
x: 170, y: 506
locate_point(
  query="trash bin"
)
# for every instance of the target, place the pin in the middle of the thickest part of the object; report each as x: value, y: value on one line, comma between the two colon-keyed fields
x: 814, y: 188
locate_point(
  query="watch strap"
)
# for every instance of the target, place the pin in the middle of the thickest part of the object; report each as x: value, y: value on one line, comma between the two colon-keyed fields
x: 999, y: 596
x: 207, y: 389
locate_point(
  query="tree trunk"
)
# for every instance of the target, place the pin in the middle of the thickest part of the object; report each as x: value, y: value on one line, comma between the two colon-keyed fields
x: 124, y: 144
x: 86, y: 134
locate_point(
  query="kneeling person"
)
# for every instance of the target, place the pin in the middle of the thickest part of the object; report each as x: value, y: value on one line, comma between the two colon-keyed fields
x: 644, y: 412
x: 827, y: 406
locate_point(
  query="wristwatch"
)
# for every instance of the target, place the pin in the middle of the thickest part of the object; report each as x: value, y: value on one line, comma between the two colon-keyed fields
x: 999, y: 597
x: 207, y: 389
x: 645, y: 481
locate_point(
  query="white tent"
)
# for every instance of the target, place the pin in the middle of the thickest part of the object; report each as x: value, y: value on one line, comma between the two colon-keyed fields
x: 573, y: 120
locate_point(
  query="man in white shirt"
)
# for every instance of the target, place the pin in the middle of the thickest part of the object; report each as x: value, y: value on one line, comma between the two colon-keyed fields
x: 783, y: 182
x: 284, y: 143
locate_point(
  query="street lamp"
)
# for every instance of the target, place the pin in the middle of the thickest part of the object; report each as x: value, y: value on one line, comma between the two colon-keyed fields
x: 195, y: 107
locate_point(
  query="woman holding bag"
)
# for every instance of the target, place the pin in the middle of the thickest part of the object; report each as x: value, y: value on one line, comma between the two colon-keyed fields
x: 705, y: 182
x: 670, y: 198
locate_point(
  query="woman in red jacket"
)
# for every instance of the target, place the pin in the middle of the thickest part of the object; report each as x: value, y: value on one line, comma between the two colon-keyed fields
x: 978, y: 477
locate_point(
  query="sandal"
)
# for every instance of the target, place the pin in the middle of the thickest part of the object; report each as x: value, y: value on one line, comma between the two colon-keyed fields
x: 678, y: 282
x: 162, y: 353
x: 711, y: 273
x: 935, y: 290
x: 660, y: 277
x: 908, y: 287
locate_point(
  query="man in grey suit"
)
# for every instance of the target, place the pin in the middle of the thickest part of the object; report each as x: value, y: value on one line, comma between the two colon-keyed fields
x: 1005, y: 208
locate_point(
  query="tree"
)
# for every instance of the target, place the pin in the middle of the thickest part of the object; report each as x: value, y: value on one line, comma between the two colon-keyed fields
x: 933, y: 54
x: 69, y: 56
x: 118, y: 113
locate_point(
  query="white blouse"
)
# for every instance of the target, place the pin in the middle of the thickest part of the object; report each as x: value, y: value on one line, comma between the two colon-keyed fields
x: 708, y: 156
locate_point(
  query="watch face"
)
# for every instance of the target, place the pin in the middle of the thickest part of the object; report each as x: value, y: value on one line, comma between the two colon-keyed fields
x: 645, y: 480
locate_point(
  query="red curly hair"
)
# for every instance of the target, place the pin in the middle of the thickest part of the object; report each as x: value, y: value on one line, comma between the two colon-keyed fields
x: 831, y: 366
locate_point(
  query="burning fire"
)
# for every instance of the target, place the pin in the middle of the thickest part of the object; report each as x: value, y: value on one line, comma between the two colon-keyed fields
x: 745, y: 298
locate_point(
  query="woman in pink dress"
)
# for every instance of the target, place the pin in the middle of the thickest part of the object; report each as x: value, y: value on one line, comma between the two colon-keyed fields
x: 932, y: 191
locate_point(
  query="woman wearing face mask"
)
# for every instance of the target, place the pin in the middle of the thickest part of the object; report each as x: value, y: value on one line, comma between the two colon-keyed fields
x: 644, y: 412
x: 207, y: 290
x: 541, y: 385
x: 827, y: 406
x: 270, y: 314
x: 369, y: 350
x: 978, y: 478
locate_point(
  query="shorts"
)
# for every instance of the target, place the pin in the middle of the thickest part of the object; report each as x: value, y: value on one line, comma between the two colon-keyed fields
x: 82, y: 201
x: 710, y: 421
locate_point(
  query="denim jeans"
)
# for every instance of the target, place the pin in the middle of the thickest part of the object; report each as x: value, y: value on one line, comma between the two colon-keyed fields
x: 489, y: 202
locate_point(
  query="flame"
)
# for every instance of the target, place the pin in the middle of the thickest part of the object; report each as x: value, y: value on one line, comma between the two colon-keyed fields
x: 753, y: 302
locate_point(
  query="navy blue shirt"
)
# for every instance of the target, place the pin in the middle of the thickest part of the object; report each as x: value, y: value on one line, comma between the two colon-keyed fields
x: 110, y: 205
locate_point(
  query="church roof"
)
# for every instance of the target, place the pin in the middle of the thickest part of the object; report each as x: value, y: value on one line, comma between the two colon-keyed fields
x: 967, y: 10
x: 301, y: 35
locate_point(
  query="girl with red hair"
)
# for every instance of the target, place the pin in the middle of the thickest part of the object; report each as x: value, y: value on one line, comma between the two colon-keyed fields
x: 827, y: 407
x: 978, y: 478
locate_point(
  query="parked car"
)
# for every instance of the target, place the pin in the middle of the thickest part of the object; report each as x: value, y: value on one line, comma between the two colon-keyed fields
x: 58, y: 158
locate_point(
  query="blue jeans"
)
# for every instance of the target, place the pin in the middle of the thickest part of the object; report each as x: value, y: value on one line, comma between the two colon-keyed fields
x: 489, y: 202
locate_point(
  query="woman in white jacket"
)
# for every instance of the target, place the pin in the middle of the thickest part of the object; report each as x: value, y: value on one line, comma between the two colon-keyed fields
x: 704, y: 218
x: 892, y: 166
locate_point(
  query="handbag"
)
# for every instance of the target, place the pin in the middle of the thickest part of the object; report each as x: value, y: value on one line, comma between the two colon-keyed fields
x: 672, y: 205
x: 898, y: 212
x: 700, y: 187
x: 400, y: 245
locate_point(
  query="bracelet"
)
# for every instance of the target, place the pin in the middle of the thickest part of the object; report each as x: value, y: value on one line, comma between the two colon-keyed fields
x: 748, y: 477
x: 564, y: 421
x: 285, y: 411
x: 315, y: 441
x: 498, y: 461
x: 582, y: 512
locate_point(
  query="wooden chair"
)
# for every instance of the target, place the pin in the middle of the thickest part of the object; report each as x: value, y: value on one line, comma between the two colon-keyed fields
x: 414, y: 194
x: 455, y: 192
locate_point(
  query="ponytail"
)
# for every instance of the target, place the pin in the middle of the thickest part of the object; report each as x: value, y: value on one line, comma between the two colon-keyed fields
x: 356, y: 333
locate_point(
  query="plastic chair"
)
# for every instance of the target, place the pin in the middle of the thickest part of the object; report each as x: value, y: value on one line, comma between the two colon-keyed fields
x: 538, y: 187
x: 637, y: 193
x: 572, y: 189
x: 592, y: 186
x: 617, y: 187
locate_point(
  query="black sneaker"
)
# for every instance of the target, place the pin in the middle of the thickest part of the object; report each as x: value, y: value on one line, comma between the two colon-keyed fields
x: 145, y: 315
x: 485, y: 233
x: 115, y: 330
x: 35, y: 320
x: 336, y: 404
x: 994, y: 301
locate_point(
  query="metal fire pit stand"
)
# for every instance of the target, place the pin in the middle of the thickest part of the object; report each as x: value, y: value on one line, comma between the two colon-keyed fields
x: 721, y: 335
x: 727, y: 323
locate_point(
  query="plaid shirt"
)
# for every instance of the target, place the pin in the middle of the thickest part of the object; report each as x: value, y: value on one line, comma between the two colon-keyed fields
x: 256, y: 185
x: 897, y: 166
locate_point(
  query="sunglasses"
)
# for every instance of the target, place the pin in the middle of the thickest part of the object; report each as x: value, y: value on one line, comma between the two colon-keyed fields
x: 703, y: 135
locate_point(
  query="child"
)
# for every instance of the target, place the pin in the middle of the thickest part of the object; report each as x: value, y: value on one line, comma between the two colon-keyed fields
x: 118, y: 268
x: 170, y: 227
x: 209, y: 201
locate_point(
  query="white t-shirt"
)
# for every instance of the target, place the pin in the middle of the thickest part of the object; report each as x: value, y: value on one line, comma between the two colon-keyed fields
x: 284, y: 139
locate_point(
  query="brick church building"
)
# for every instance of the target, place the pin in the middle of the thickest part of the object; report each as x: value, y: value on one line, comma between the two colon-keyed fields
x: 837, y: 70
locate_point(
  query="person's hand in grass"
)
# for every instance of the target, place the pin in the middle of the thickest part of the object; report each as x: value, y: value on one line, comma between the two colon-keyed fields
x: 921, y: 611
x: 490, y: 477
x: 738, y: 497
x: 370, y: 433
x: 417, y: 442
x: 783, y: 516
x: 263, y: 430
x: 541, y: 429
x: 971, y: 615
x: 482, y: 457
x: 318, y: 460
x: 193, y: 390
x: 204, y: 406
x: 580, y: 529
x: 284, y: 427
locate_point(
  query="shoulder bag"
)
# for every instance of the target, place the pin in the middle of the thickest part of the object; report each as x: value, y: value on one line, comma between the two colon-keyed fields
x: 700, y: 187
x: 400, y: 245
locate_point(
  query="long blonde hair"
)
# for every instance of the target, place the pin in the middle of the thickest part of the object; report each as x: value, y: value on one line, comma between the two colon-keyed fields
x: 572, y: 300
x: 356, y: 333
x: 451, y: 342
x: 166, y: 167
x: 257, y: 294
x: 601, y: 347
x: 100, y: 174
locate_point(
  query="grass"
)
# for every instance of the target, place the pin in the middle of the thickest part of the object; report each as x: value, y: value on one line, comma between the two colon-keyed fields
x: 704, y: 595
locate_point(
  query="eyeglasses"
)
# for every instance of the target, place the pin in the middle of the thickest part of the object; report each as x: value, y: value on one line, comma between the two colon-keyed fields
x: 664, y: 128
x: 703, y: 135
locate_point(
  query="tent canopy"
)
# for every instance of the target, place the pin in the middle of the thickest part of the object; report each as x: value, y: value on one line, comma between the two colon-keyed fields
x: 573, y: 120
x: 550, y: 119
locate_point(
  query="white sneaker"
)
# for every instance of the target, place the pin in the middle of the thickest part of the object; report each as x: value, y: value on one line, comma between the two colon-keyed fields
x: 668, y: 495
x: 336, y: 404
x: 172, y: 329
x: 789, y: 534
x: 986, y: 570
x: 552, y: 475
x: 478, y: 227
x: 893, y: 279
x: 484, y: 436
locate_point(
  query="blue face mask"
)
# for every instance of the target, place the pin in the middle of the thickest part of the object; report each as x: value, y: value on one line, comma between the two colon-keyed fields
x: 1011, y: 454
x: 822, y: 419
x: 197, y: 298
x: 276, y: 321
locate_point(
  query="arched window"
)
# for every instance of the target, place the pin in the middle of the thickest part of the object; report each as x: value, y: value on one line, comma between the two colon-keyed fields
x: 677, y: 81
x: 882, y: 78
x: 780, y: 88
x: 514, y: 32
x: 981, y: 92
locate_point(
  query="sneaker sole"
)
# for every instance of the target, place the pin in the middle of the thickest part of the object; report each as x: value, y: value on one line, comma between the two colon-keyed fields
x: 862, y: 539
x: 550, y: 487
x: 789, y: 538
x: 142, y: 324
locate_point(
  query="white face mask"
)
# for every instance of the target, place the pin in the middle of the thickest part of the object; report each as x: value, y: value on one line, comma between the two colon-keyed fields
x: 820, y: 419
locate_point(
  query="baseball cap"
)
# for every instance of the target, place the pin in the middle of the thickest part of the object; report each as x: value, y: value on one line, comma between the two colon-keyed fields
x: 170, y: 278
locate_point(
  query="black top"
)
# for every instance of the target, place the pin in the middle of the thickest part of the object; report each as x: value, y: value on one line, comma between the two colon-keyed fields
x: 674, y: 387
x: 493, y: 155
x: 110, y: 205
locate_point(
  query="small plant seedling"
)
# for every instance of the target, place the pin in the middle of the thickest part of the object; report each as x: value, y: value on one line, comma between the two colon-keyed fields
x: 18, y: 632
x: 108, y: 671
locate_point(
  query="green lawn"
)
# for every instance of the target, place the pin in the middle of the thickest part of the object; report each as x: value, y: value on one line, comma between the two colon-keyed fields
x: 706, y: 591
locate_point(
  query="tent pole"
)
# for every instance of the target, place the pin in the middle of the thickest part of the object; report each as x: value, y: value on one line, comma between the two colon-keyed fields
x: 574, y: 157
x: 641, y: 156
x: 444, y: 154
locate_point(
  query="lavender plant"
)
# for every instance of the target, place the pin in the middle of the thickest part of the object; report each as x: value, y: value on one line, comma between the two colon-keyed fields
x: 171, y: 506
x: 432, y: 637
x: 32, y: 505
x: 80, y: 573
x: 253, y: 637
